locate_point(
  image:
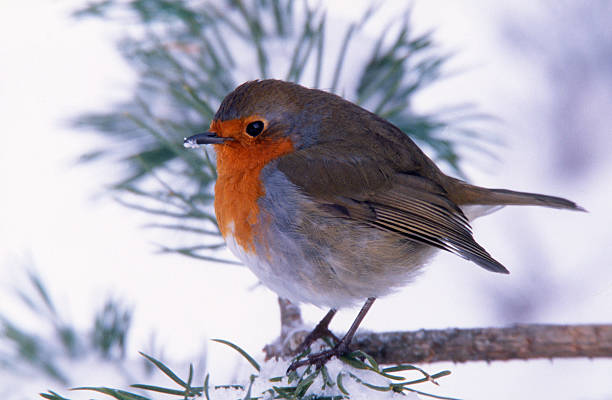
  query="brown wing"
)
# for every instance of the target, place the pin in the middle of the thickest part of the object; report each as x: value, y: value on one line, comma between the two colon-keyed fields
x: 374, y: 192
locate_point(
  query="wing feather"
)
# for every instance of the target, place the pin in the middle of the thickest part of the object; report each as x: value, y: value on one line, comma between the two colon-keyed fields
x: 385, y: 196
x: 447, y: 230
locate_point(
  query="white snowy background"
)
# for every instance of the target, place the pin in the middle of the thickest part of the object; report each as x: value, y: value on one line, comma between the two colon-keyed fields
x: 544, y: 69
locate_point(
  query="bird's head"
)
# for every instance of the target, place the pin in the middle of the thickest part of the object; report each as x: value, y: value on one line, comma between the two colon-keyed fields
x: 259, y: 112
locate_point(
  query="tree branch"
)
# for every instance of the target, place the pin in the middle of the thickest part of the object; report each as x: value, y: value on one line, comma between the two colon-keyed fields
x: 488, y: 344
x: 522, y: 342
x: 290, y: 336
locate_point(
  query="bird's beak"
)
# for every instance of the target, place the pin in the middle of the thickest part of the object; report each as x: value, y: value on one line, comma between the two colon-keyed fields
x: 204, y: 138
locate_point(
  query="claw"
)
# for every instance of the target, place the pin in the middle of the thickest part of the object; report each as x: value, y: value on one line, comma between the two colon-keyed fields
x: 321, y: 358
x: 319, y: 332
x: 322, y: 330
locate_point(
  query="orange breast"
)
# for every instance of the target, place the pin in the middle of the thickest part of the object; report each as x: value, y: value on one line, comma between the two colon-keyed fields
x: 239, y: 185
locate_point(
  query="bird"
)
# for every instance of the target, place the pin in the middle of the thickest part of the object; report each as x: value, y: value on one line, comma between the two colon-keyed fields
x: 329, y: 204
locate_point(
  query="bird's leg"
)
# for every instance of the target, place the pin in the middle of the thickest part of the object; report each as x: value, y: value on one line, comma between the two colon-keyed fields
x: 342, y: 347
x: 320, y: 331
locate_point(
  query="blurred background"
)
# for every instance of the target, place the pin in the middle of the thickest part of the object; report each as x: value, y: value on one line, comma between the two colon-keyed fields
x: 107, y: 243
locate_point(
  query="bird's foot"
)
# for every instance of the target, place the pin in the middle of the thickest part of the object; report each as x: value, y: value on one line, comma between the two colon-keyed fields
x: 322, y: 330
x: 321, y: 358
x: 319, y: 332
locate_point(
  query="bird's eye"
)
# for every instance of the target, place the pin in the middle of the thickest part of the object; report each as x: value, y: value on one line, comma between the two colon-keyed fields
x: 254, y: 128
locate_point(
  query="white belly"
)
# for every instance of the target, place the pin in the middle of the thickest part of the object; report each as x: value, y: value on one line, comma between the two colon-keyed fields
x: 277, y: 276
x: 285, y: 270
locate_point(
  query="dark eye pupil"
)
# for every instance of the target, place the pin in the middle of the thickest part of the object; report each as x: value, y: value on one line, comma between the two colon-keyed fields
x: 254, y: 128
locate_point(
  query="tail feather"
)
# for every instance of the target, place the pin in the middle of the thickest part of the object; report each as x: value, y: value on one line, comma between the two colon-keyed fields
x: 466, y: 194
x: 476, y: 201
x: 510, y: 197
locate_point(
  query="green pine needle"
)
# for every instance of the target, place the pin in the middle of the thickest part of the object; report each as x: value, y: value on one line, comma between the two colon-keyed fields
x: 243, y: 353
x: 167, y: 371
x: 294, y: 386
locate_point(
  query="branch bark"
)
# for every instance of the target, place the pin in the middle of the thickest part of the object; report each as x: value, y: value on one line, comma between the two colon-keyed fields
x: 519, y: 342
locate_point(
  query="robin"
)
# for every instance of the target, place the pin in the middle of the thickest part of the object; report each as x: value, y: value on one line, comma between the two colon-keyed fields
x: 330, y: 204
